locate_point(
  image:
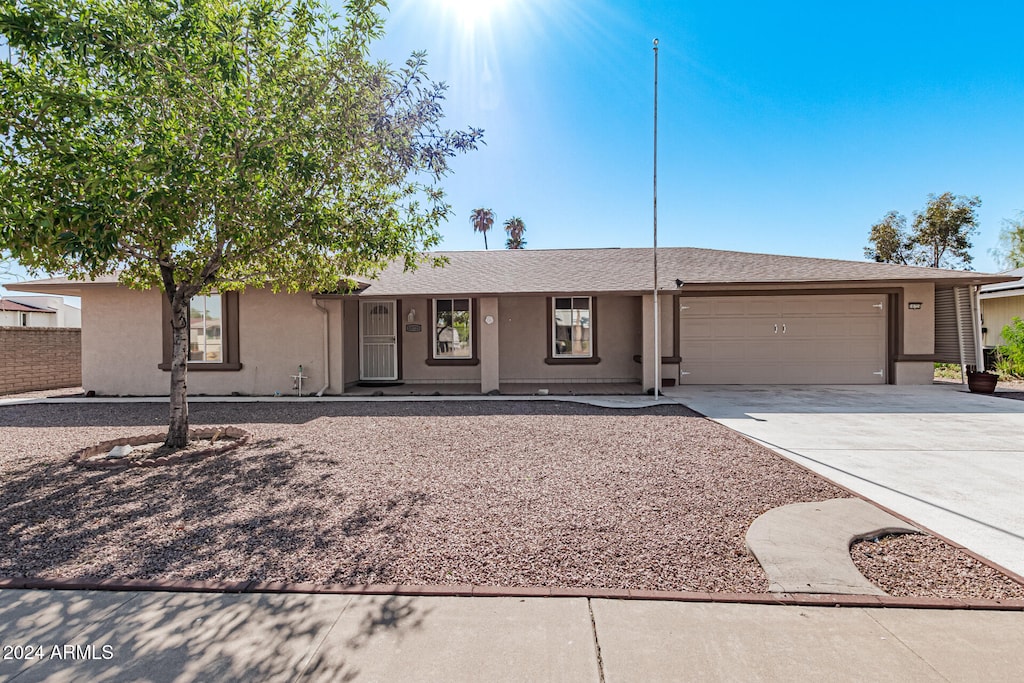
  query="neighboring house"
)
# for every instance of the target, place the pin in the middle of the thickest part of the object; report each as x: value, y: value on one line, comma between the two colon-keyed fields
x: 38, y: 311
x: 494, y: 319
x: 1000, y: 304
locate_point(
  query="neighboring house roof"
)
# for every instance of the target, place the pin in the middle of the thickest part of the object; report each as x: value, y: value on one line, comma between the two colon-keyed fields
x: 539, y: 271
x: 1000, y: 289
x: 8, y: 305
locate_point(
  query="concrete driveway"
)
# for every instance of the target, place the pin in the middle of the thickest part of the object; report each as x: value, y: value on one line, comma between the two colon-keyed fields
x: 947, y: 459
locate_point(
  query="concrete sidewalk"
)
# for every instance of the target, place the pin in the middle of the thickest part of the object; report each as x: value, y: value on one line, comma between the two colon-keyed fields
x: 133, y: 636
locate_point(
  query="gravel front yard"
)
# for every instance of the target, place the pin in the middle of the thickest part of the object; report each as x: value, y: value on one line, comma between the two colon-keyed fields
x: 486, y: 493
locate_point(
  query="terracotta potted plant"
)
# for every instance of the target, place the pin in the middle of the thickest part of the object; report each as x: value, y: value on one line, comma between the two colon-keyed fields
x: 981, y: 382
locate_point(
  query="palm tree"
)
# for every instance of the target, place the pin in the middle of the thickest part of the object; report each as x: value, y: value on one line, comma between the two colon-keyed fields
x: 482, y: 220
x: 515, y: 228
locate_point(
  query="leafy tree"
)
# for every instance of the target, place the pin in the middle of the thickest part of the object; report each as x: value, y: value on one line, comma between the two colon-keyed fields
x: 940, y: 236
x: 195, y: 145
x: 482, y: 220
x: 890, y: 241
x: 515, y: 228
x: 1010, y: 253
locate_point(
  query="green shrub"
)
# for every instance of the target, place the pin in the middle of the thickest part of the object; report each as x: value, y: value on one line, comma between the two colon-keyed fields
x: 947, y: 371
x: 1010, y: 358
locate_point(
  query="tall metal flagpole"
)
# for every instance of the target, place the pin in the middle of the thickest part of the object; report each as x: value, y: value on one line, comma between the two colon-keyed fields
x: 657, y: 313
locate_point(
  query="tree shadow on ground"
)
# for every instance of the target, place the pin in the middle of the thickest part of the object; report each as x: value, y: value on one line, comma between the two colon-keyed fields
x: 250, y: 514
x: 193, y: 636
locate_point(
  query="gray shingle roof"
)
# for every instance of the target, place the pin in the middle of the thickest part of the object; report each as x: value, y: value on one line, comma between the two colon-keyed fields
x: 630, y: 270
x: 549, y: 271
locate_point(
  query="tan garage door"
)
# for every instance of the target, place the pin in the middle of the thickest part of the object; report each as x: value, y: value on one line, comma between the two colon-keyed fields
x: 819, y: 339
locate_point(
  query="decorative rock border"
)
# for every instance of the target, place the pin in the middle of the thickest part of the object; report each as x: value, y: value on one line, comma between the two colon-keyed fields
x: 86, y: 457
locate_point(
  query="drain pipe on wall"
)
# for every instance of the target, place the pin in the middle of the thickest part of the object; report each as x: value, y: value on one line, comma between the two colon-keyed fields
x: 327, y: 348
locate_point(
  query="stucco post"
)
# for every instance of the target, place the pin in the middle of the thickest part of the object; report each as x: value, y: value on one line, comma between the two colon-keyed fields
x: 648, y: 359
x: 488, y: 344
x: 917, y: 336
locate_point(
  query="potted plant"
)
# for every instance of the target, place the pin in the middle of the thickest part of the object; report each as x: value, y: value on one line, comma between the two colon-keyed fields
x: 981, y: 382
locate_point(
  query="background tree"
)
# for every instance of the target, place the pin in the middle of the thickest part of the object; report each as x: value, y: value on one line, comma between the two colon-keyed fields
x: 482, y: 220
x: 214, y: 144
x: 940, y: 236
x: 515, y: 228
x: 1010, y: 252
x: 890, y: 242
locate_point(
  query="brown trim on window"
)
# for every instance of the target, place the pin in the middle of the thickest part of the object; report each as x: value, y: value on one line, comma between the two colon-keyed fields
x: 593, y: 358
x: 925, y: 357
x: 229, y: 329
x: 474, y: 314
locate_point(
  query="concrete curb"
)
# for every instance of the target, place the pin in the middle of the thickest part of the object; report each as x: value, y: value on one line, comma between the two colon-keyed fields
x: 467, y: 591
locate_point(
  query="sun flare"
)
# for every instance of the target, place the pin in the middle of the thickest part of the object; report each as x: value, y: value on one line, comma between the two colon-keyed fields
x: 472, y: 12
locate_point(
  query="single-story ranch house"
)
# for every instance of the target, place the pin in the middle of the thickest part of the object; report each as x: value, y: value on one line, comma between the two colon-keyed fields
x: 495, y: 319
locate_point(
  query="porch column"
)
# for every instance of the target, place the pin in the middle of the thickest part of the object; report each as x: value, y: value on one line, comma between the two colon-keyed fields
x: 488, y: 344
x: 647, y: 353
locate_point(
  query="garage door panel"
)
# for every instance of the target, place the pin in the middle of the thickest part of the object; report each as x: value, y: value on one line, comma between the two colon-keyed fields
x: 733, y: 373
x: 725, y: 352
x: 696, y: 329
x: 827, y: 339
x: 831, y: 373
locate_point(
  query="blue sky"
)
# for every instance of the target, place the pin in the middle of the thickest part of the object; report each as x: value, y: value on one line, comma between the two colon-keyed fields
x: 783, y: 127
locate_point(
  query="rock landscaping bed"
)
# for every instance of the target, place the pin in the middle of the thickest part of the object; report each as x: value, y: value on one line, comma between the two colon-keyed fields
x: 538, y: 493
x: 933, y: 568
x: 149, y: 450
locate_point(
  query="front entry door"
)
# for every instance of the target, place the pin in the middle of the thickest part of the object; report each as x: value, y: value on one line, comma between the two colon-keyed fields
x: 378, y: 347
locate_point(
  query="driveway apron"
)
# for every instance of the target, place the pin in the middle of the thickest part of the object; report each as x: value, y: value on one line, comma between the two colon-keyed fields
x: 946, y: 459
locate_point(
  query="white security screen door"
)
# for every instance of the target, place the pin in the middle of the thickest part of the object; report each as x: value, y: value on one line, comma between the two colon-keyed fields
x: 378, y: 348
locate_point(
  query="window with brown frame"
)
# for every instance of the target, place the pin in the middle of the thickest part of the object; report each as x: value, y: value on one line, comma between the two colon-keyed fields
x: 452, y: 332
x: 213, y: 332
x: 572, y: 326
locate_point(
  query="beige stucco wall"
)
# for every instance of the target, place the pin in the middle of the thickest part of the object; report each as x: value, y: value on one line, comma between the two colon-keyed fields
x: 121, y: 342
x: 489, y: 345
x: 276, y: 333
x: 523, y: 330
x: 919, y: 325
x: 914, y: 372
x: 996, y: 314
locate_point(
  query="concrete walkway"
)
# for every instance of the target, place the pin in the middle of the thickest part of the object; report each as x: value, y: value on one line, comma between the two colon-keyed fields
x: 106, y: 636
x: 805, y: 547
x: 947, y: 459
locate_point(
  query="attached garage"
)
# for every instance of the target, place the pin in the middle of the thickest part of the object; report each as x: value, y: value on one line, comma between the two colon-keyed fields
x: 811, y: 339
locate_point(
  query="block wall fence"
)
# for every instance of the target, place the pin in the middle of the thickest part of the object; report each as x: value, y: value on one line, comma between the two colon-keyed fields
x: 36, y: 358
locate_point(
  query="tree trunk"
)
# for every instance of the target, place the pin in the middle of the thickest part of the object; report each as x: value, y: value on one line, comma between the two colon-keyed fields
x: 177, y: 432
